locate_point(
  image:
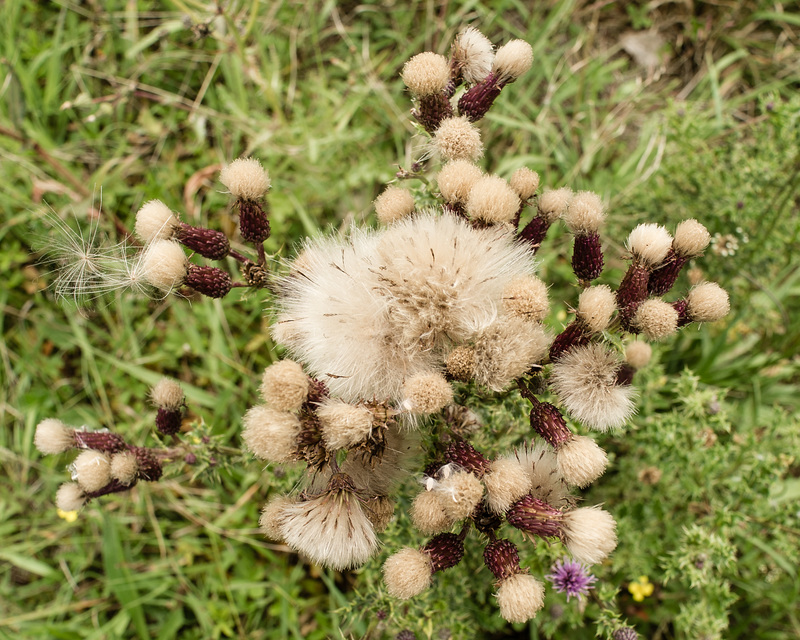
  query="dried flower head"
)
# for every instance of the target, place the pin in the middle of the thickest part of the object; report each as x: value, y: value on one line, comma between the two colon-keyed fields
x: 459, y: 494
x: 344, y: 425
x: 526, y: 297
x: 272, y: 516
x: 512, y: 60
x: 331, y: 529
x: 553, y: 203
x: 708, y: 302
x: 155, y: 221
x: 472, y: 54
x: 492, y: 200
x: 124, y: 467
x: 428, y: 514
x: 271, y: 435
x: 460, y: 363
x: 590, y: 534
x: 245, y: 178
x: 649, y: 243
x: 426, y: 393
x: 581, y: 461
x: 506, y: 349
x: 638, y: 354
x: 53, y: 437
x: 585, y: 379
x: 165, y: 264
x: 525, y: 182
x: 456, y: 180
x: 691, y: 238
x: 167, y: 394
x: 458, y: 139
x: 91, y: 470
x: 70, y: 497
x: 393, y: 204
x: 542, y: 466
x: 426, y: 74
x: 656, y: 319
x: 506, y: 482
x: 520, y: 597
x: 596, y: 305
x: 585, y: 213
x: 407, y: 573
x: 284, y: 386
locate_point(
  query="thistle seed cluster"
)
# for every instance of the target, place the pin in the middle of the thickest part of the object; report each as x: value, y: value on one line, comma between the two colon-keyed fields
x: 391, y: 332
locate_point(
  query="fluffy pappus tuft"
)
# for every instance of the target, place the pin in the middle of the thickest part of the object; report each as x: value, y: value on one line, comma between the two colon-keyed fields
x: 526, y: 297
x: 581, y: 461
x: 649, y: 243
x: 512, y: 60
x: 459, y: 494
x: 70, y: 497
x: 520, y: 597
x: 553, y: 203
x: 590, y: 534
x: 506, y: 481
x: 492, y: 200
x: 407, y: 573
x: 344, y: 425
x: 271, y: 435
x: 707, y: 302
x: 284, y: 386
x: 165, y: 264
x: 506, y: 349
x: 91, y: 470
x: 585, y: 381
x: 472, y: 54
x: 426, y: 74
x: 525, y: 182
x: 656, y: 319
x: 428, y: 514
x: 691, y: 238
x: 585, y: 213
x: 456, y: 179
x: 457, y: 138
x: 155, y: 221
x: 167, y: 394
x: 124, y: 467
x: 272, y: 516
x: 596, y: 305
x: 245, y: 178
x: 53, y: 437
x: 638, y: 354
x: 393, y: 204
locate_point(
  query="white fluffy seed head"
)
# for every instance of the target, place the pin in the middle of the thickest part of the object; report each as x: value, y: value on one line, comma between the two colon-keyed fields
x: 459, y: 494
x: 590, y: 534
x: 525, y: 182
x: 332, y: 530
x: 164, y: 264
x: 596, y: 305
x: 457, y: 139
x: 506, y: 349
x: 506, y: 482
x: 512, y: 60
x: 92, y: 470
x: 581, y: 461
x: 585, y: 379
x: 691, y: 238
x: 393, y: 204
x: 428, y: 515
x: 526, y: 298
x: 344, y: 425
x: 708, y: 302
x: 245, y: 178
x: 456, y: 179
x: 656, y: 319
x: 272, y: 516
x: 154, y: 221
x: 53, y: 437
x: 167, y: 394
x: 124, y: 467
x: 284, y: 386
x: 70, y: 497
x: 472, y: 53
x: 460, y: 363
x: 269, y: 434
x: 381, y: 478
x: 585, y: 213
x: 407, y: 573
x: 426, y: 393
x: 553, y: 203
x: 492, y: 200
x: 650, y: 243
x: 541, y: 464
x: 520, y: 597
x: 638, y: 354
x: 426, y: 74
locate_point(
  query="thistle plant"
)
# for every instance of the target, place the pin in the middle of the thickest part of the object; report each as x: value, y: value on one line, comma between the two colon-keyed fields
x: 396, y: 335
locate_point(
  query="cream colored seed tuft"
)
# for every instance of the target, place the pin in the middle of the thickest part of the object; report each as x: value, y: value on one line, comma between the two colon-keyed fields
x: 245, y: 178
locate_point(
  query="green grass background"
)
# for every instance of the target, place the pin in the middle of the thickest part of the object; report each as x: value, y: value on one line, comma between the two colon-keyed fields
x: 104, y: 105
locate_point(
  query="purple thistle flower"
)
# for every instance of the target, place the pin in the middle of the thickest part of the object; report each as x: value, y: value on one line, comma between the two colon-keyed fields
x: 571, y: 577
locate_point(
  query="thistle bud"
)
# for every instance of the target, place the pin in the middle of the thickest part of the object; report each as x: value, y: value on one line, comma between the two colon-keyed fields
x: 502, y: 558
x: 445, y: 551
x: 535, y: 517
x: 210, y: 281
x: 574, y: 335
x: 210, y: 244
x: 149, y: 468
x: 168, y: 396
x: 99, y: 441
x: 254, y: 221
x: 548, y: 422
x: 463, y: 454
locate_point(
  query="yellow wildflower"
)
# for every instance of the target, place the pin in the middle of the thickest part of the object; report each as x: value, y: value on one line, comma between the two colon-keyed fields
x: 69, y: 516
x: 641, y: 588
